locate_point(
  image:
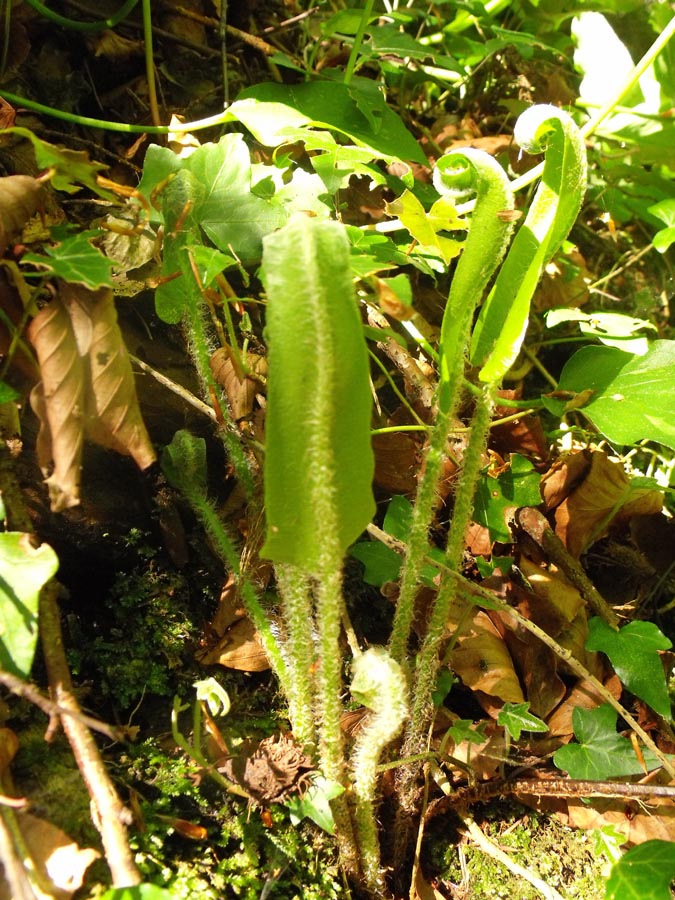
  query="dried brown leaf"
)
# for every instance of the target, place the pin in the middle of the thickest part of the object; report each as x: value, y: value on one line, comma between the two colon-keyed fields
x: 639, y: 822
x: 239, y: 387
x: 482, y: 661
x: 19, y: 199
x: 113, y: 416
x: 563, y: 476
x: 237, y: 644
x: 58, y: 402
x: 605, y: 496
x: 583, y: 695
x: 59, y: 860
x: 87, y: 388
x: 557, y: 602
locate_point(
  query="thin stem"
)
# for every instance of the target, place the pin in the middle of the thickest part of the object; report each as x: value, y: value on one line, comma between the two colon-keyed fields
x: 632, y: 79
x: 358, y: 40
x: 228, y: 553
x: 428, y: 660
x: 294, y: 589
x: 150, y: 63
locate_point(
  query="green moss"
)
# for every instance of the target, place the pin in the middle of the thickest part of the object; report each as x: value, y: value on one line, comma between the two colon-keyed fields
x: 143, y: 640
x: 46, y: 773
x: 561, y: 856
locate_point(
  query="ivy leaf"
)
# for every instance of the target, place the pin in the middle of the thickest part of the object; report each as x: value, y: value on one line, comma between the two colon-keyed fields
x: 24, y: 570
x: 75, y: 260
x: 517, y: 486
x: 314, y: 804
x: 600, y: 753
x: 633, y: 652
x: 382, y: 564
x: 643, y: 873
x: 71, y: 169
x: 424, y: 227
x: 516, y: 717
x: 632, y: 398
x: 229, y: 214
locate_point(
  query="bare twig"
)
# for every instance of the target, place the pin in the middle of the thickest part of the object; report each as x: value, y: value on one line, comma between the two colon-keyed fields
x: 111, y: 816
x: 31, y: 693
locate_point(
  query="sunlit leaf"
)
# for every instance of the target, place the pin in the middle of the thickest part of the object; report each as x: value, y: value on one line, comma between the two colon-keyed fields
x: 74, y: 259
x: 633, y: 397
x: 314, y: 803
x: 634, y: 654
x: 600, y: 753
x: 517, y: 486
x: 516, y: 718
x: 24, y: 570
x: 322, y: 456
x: 643, y: 873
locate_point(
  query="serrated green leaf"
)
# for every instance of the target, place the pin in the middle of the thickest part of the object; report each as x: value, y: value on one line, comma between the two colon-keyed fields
x: 633, y: 652
x: 74, y: 259
x: 319, y: 459
x: 516, y: 718
x: 633, y: 396
x: 600, y: 753
x: 645, y: 872
x: 424, y: 227
x: 517, y: 486
x: 24, y: 570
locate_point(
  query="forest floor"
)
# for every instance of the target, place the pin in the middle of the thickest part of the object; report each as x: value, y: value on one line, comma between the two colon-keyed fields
x: 147, y: 608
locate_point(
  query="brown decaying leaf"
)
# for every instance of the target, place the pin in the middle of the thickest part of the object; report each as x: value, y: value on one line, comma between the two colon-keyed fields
x: 59, y: 860
x: 237, y: 644
x: 397, y: 462
x: 638, y: 822
x: 483, y: 662
x: 19, y: 199
x: 563, y: 476
x: 270, y: 770
x: 604, y: 497
x: 239, y: 388
x: 87, y: 388
x: 524, y: 435
x: 58, y: 402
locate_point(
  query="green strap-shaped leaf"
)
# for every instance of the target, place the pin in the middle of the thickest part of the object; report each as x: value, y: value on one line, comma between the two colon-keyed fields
x: 501, y: 325
x: 318, y: 461
x: 457, y: 173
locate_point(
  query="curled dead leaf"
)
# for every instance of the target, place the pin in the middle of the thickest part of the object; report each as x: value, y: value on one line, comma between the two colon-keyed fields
x: 60, y: 861
x: 19, y: 199
x: 605, y: 496
x: 482, y: 661
x: 240, y: 387
x: 87, y: 389
x: 234, y: 641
